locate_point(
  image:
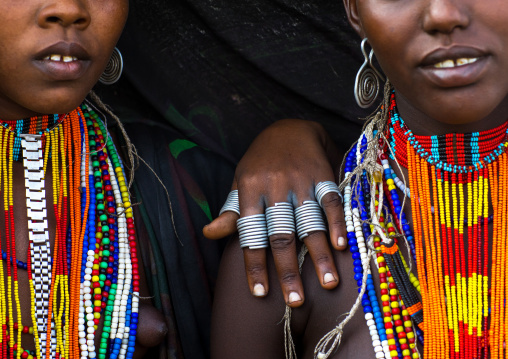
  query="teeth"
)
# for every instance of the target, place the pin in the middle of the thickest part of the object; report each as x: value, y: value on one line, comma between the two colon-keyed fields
x: 451, y: 63
x: 58, y: 58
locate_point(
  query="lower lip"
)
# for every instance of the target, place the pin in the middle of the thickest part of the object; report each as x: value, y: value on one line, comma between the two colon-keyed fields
x: 63, y: 71
x: 459, y: 76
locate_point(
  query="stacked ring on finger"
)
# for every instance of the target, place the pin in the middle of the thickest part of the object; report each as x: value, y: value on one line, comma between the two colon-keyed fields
x: 309, y: 218
x: 232, y: 203
x: 280, y: 219
x: 323, y: 188
x: 252, y: 231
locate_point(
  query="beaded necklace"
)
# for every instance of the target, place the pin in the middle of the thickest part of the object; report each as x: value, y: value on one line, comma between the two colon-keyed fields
x: 458, y: 299
x: 93, y: 270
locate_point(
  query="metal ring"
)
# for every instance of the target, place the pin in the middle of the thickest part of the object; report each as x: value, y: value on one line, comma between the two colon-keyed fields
x: 280, y: 219
x: 309, y: 218
x: 252, y: 231
x: 323, y: 188
x: 232, y: 203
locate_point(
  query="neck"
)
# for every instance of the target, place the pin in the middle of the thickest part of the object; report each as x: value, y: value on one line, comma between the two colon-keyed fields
x: 423, y: 125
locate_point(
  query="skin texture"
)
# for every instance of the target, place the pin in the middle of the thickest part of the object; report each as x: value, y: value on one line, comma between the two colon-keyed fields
x: 263, y: 180
x: 473, y: 98
x: 27, y: 89
x: 29, y: 28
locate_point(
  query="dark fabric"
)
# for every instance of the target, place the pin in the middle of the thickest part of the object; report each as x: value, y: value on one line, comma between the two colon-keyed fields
x: 202, y: 79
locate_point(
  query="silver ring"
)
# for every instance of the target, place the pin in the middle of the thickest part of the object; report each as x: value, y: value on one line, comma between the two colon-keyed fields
x: 252, y: 231
x: 323, y: 188
x: 232, y: 203
x: 309, y: 218
x: 280, y: 219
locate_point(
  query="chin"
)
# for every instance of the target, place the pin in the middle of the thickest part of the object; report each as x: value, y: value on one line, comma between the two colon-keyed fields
x: 62, y: 103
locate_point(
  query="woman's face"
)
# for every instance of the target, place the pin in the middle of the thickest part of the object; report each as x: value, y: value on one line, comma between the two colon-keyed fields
x: 52, y: 52
x: 448, y: 58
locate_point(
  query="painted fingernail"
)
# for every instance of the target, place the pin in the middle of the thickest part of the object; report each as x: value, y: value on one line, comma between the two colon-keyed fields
x: 294, y: 297
x: 259, y: 290
x: 329, y: 278
x: 341, y: 242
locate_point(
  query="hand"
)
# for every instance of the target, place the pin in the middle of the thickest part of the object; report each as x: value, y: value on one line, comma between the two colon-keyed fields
x: 284, y: 164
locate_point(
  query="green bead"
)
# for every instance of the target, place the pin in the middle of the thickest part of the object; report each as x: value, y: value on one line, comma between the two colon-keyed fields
x: 99, y: 196
x: 98, y: 185
x: 97, y: 173
x: 105, y: 253
x: 109, y: 307
x: 91, y: 143
x: 101, y: 283
x: 103, y: 265
x: 102, y: 278
x: 96, y: 164
x: 112, y: 290
x: 103, y: 217
x: 105, y: 240
x: 100, y: 206
x: 105, y: 229
x: 107, y: 323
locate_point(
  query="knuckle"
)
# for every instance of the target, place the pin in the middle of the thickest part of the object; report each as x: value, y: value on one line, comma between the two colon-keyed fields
x: 281, y: 242
x: 321, y: 258
x: 255, y: 270
x: 331, y: 200
x: 287, y: 278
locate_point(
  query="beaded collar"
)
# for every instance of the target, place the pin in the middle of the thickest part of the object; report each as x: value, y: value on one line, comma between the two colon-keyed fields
x: 93, y: 270
x: 458, y: 298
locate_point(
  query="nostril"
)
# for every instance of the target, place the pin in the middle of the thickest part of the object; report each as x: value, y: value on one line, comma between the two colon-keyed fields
x: 53, y: 19
x: 80, y: 21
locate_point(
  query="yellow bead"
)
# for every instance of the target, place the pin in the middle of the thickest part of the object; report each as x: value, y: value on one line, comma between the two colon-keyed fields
x: 95, y: 278
x: 97, y: 303
x: 410, y: 335
x: 126, y: 204
x: 383, y: 285
x: 97, y: 291
x: 387, y: 320
x: 394, y: 353
x: 405, y: 312
x: 399, y: 329
x: 394, y: 292
x: 415, y: 356
x: 389, y: 331
x: 396, y: 317
x: 390, y: 182
x: 97, y: 315
x: 385, y: 298
x: 406, y: 352
x: 391, y: 341
x: 380, y: 259
x: 407, y: 323
x: 382, y: 269
x: 394, y: 305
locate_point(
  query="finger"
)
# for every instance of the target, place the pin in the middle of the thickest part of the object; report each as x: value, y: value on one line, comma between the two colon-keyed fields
x: 321, y: 256
x: 222, y: 226
x: 255, y: 268
x: 286, y: 262
x: 332, y: 205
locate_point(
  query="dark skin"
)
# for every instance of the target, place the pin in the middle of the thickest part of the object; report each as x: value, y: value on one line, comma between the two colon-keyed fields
x: 412, y: 41
x: 263, y: 180
x: 52, y: 53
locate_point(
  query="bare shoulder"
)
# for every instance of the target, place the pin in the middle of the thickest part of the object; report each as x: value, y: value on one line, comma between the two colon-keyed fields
x: 247, y: 327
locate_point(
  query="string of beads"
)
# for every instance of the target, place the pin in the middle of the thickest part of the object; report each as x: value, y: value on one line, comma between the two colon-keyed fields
x: 93, y: 272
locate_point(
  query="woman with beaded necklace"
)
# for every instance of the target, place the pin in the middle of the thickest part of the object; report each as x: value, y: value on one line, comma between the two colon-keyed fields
x: 70, y: 280
x: 425, y: 201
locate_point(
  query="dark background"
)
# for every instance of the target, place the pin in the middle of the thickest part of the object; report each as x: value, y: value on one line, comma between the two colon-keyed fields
x: 202, y: 78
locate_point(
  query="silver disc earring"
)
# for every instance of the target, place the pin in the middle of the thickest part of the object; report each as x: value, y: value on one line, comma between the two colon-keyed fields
x: 367, y: 80
x: 114, y: 69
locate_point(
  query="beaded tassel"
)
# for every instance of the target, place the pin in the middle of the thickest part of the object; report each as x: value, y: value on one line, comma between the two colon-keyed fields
x: 461, y: 278
x: 93, y: 272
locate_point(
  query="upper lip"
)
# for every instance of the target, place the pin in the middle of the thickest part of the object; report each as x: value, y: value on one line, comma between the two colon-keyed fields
x: 65, y: 49
x: 451, y: 53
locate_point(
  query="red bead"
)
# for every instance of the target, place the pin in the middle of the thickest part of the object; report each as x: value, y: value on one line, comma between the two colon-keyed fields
x: 103, y: 305
x: 108, y: 187
x: 396, y: 310
x: 398, y: 323
x: 15, y: 325
x: 106, y: 177
x: 392, y: 286
x: 98, y: 309
x: 24, y: 355
x: 111, y: 220
x: 26, y: 329
x: 392, y: 347
x: 97, y: 297
x: 96, y: 321
x: 111, y: 210
x: 110, y: 198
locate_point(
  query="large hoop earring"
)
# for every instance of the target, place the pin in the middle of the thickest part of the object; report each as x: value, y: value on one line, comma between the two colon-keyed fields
x: 114, y: 68
x: 367, y: 80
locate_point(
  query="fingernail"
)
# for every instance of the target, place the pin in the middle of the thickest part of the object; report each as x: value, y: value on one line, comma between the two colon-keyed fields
x: 294, y: 297
x: 341, y: 242
x: 259, y: 290
x: 329, y: 278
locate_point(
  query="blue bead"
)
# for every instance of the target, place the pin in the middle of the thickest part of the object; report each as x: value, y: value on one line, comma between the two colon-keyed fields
x: 358, y: 277
x: 352, y: 242
x: 353, y: 249
x: 358, y: 282
x: 367, y: 309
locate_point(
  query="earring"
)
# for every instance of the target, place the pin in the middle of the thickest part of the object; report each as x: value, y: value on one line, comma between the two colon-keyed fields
x: 114, y: 69
x: 367, y: 80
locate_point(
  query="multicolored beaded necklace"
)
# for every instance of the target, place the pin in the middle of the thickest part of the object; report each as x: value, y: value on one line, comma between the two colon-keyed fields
x: 458, y: 299
x: 93, y: 271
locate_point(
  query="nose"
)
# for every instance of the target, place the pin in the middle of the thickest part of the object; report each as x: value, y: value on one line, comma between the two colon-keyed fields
x: 65, y: 13
x: 444, y: 16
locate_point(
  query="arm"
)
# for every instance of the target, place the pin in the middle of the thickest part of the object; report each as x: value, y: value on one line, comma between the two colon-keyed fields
x: 284, y: 164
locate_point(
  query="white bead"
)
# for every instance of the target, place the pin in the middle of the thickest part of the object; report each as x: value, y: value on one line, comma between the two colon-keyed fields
x: 89, y: 317
x: 82, y: 341
x: 380, y: 355
x: 90, y: 330
x: 376, y: 343
x: 82, y: 333
x: 84, y: 347
x: 369, y: 316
